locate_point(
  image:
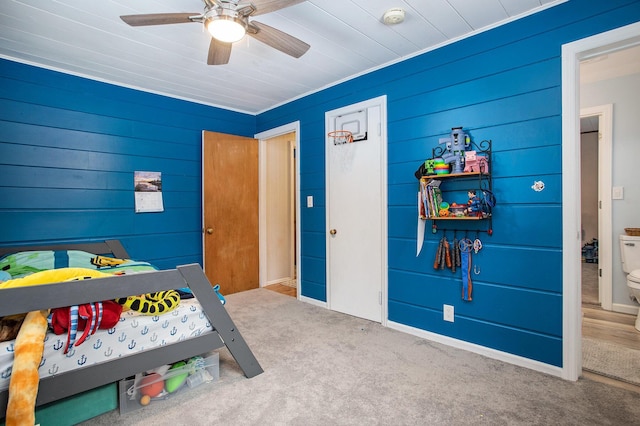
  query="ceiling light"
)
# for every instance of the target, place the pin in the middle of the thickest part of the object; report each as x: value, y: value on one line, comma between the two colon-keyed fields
x: 393, y: 16
x: 228, y: 29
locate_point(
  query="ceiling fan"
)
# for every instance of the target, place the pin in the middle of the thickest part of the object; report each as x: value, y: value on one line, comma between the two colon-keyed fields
x: 228, y: 22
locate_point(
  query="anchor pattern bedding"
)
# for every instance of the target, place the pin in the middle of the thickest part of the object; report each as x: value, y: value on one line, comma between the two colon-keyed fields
x: 134, y: 333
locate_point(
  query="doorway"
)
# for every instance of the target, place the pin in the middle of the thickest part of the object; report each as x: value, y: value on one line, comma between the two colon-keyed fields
x: 250, y: 231
x: 589, y: 135
x: 572, y: 54
x: 279, y: 208
x: 356, y: 183
x: 596, y: 144
x: 277, y: 177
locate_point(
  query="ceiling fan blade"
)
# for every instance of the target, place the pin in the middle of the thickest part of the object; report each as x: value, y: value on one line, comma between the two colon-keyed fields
x: 158, y: 19
x: 266, y: 6
x: 277, y: 39
x: 219, y: 52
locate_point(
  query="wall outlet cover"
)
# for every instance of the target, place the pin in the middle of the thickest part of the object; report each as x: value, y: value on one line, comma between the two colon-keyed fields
x: 447, y: 312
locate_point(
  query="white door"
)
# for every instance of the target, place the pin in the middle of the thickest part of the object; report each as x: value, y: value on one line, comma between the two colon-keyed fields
x: 356, y: 211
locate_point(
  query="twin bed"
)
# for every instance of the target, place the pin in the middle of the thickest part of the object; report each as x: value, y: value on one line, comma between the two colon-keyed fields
x: 197, y: 326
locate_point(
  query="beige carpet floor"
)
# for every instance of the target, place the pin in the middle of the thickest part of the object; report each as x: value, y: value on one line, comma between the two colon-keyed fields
x: 327, y: 368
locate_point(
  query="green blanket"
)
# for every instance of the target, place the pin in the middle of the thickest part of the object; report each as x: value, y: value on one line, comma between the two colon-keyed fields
x: 27, y: 262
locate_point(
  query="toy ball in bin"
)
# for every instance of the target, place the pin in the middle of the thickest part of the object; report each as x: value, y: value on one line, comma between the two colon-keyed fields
x: 151, y: 385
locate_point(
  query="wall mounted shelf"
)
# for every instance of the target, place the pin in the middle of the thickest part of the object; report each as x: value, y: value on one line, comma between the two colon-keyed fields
x: 436, y: 188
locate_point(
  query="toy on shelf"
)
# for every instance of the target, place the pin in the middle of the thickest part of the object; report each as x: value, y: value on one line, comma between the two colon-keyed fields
x: 456, y: 154
x: 457, y: 210
x: 444, y: 210
x: 455, y: 146
x: 429, y: 166
x: 475, y: 163
x: 426, y: 169
x: 440, y: 166
x: 475, y: 206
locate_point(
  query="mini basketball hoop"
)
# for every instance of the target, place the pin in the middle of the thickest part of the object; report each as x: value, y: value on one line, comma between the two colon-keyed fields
x: 340, y: 137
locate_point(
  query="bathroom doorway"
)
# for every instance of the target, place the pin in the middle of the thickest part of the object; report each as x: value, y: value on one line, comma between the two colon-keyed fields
x: 572, y: 55
x: 609, y: 342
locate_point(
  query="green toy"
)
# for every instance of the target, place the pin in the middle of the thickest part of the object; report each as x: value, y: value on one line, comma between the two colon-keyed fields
x: 174, y: 383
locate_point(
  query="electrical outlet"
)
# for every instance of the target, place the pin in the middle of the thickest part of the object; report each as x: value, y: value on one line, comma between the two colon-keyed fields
x: 309, y: 201
x: 447, y: 313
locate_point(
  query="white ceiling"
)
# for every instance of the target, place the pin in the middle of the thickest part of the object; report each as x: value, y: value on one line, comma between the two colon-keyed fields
x: 610, y: 65
x: 347, y: 39
x: 605, y: 67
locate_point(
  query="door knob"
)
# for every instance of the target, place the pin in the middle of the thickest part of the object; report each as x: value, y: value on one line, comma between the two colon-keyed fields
x: 209, y: 231
x: 333, y: 232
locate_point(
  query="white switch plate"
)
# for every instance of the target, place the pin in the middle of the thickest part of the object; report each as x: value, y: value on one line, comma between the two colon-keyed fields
x: 309, y: 200
x: 617, y: 193
x: 447, y: 313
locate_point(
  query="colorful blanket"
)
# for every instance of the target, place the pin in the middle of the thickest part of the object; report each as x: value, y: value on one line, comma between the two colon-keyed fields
x: 25, y: 263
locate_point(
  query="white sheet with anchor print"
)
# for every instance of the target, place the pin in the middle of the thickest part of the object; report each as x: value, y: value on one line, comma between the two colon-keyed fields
x: 134, y: 333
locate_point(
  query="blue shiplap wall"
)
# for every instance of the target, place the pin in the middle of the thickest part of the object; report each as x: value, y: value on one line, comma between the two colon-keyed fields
x: 69, y: 147
x: 503, y: 85
x: 68, y: 150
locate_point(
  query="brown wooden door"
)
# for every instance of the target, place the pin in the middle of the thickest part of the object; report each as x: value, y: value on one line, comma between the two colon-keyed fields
x: 230, y: 203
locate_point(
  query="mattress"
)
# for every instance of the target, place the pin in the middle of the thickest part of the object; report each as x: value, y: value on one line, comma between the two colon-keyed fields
x: 133, y: 334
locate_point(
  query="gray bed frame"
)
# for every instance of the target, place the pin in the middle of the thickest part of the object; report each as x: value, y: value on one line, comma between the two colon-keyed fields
x: 26, y: 299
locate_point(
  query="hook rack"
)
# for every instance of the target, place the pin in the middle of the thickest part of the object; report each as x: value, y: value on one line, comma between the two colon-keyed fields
x: 435, y: 229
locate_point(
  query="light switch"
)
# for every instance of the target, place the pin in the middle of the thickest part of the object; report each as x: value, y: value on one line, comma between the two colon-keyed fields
x: 617, y: 193
x: 309, y: 201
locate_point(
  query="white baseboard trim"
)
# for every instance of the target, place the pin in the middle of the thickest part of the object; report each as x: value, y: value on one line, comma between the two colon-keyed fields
x: 311, y: 301
x: 461, y: 344
x: 481, y: 350
x: 625, y: 309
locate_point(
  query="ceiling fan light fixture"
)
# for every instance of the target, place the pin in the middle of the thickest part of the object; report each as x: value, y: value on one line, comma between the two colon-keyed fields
x: 228, y: 29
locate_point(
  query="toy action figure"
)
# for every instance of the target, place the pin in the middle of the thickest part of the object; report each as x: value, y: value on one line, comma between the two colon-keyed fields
x: 475, y: 206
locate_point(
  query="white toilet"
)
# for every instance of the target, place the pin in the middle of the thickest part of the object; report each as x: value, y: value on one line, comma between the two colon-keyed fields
x: 630, y: 254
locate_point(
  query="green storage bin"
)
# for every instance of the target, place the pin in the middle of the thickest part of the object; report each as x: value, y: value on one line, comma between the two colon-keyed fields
x: 78, y: 408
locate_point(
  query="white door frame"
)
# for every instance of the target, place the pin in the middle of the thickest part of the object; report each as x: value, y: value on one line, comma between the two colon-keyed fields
x: 605, y: 226
x: 262, y: 140
x: 381, y: 102
x: 572, y: 54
